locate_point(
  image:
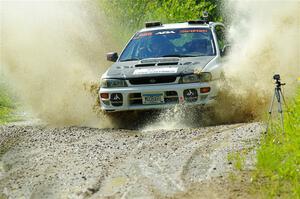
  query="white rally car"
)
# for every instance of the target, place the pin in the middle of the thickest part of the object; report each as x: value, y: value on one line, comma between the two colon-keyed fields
x: 164, y: 65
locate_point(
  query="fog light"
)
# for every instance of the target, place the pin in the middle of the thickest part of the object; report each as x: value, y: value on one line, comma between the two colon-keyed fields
x: 104, y: 95
x: 116, y: 99
x: 204, y: 90
x: 190, y: 95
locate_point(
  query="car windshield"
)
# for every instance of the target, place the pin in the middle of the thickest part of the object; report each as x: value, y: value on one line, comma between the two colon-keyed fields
x: 187, y: 42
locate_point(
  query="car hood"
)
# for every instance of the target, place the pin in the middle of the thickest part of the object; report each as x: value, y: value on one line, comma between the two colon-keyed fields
x: 157, y: 67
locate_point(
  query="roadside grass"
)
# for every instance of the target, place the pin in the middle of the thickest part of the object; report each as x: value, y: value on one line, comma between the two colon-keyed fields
x: 7, y: 106
x: 278, y: 158
x: 237, y: 159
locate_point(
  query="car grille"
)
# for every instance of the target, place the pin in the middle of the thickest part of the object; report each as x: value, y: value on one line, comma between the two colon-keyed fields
x: 170, y: 97
x: 152, y: 80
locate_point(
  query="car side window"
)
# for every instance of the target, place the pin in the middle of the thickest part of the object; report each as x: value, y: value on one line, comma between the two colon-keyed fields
x: 221, y: 36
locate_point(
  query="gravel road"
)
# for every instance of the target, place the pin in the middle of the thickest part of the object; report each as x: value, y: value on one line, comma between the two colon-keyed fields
x: 78, y: 162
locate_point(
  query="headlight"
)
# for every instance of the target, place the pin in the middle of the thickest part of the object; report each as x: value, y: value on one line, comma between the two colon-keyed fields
x: 113, y: 83
x: 202, y: 77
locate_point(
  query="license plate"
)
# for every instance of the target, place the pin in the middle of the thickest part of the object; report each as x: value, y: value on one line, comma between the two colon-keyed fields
x: 153, y: 98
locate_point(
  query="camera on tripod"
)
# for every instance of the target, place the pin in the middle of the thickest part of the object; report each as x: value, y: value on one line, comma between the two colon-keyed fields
x: 279, y: 96
x: 276, y: 77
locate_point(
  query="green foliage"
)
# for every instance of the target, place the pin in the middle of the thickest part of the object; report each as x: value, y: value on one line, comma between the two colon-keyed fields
x: 128, y: 16
x: 279, y: 157
x: 5, y: 100
x: 6, y: 106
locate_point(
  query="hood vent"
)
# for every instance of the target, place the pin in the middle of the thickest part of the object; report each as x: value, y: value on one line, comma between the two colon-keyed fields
x: 159, y: 60
x: 157, y: 64
x: 167, y: 63
x: 145, y: 65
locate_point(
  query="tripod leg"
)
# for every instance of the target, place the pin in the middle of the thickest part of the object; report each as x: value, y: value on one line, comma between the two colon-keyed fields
x: 280, y: 109
x: 285, y: 104
x: 270, y: 111
x: 283, y: 98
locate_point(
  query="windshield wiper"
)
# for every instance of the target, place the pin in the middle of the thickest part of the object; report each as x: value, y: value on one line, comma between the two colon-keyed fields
x: 131, y: 59
x: 177, y: 55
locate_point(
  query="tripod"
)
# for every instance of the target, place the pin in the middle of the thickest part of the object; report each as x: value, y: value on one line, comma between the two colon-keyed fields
x: 279, y: 97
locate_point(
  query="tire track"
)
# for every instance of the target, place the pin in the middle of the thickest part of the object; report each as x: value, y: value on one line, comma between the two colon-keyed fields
x: 76, y: 162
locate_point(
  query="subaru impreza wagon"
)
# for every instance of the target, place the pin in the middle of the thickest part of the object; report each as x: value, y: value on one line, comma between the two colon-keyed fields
x: 164, y: 65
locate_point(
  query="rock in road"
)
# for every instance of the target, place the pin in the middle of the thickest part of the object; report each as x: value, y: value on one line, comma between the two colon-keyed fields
x: 80, y: 162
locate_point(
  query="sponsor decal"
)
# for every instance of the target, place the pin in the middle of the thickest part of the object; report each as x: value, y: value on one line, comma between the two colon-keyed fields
x: 143, y: 34
x: 165, y: 32
x: 145, y: 71
x: 193, y: 30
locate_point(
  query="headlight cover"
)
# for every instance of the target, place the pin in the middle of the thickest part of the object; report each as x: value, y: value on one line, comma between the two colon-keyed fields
x: 194, y: 78
x: 113, y: 83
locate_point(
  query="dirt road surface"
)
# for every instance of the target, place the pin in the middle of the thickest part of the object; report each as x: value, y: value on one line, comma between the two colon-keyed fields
x: 77, y: 162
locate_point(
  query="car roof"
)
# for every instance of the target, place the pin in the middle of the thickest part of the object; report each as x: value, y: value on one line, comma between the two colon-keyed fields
x: 180, y: 25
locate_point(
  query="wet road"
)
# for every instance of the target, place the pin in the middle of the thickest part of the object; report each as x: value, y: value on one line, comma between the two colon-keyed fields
x: 77, y: 162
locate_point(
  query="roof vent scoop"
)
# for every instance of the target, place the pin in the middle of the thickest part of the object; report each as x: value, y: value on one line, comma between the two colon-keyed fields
x: 153, y: 24
x: 204, y: 19
x: 195, y: 22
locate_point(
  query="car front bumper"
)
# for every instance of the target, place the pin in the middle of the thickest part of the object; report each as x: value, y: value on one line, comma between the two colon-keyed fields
x: 173, y: 94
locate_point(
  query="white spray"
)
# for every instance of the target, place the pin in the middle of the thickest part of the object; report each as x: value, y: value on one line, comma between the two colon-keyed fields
x: 49, y: 51
x: 265, y: 38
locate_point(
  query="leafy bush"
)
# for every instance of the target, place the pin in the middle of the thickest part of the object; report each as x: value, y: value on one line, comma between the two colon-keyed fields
x: 129, y: 16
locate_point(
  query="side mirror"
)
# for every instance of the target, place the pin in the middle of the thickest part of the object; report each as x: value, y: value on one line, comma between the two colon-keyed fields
x: 113, y: 56
x: 225, y: 50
